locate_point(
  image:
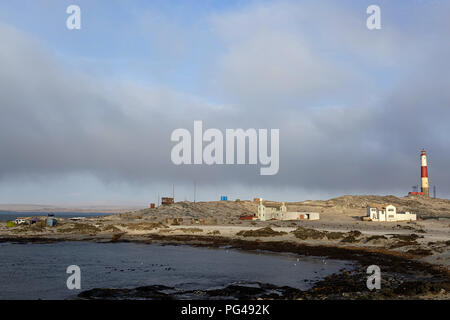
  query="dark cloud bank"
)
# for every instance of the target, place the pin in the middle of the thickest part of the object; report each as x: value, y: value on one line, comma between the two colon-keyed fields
x: 344, y: 128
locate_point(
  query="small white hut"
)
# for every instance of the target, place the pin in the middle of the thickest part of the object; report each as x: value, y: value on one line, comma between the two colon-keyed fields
x: 388, y: 213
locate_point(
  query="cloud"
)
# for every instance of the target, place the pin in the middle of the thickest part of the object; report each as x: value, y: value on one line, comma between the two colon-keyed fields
x: 57, y: 120
x: 353, y: 107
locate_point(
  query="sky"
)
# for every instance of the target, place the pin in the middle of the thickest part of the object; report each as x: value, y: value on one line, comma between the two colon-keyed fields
x: 86, y: 115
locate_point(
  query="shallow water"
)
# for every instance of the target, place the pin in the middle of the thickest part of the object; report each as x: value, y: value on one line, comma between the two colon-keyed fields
x: 38, y: 271
x: 12, y: 215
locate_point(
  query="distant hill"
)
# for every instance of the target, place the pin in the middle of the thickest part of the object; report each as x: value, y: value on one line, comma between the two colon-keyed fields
x: 354, y: 205
x: 52, y: 208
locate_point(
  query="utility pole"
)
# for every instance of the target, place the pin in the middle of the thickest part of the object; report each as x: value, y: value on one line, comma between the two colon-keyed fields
x: 173, y: 192
x: 434, y: 191
x: 195, y: 190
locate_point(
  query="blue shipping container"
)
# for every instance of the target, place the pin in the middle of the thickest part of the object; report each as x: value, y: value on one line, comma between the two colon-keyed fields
x: 223, y: 198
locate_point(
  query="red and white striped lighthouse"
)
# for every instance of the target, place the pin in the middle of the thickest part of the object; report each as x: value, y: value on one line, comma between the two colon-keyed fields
x: 424, y: 174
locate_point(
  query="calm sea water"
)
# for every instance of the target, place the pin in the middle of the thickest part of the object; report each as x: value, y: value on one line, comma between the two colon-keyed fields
x: 11, y: 215
x: 38, y: 271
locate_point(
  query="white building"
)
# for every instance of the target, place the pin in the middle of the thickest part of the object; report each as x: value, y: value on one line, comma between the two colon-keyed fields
x: 388, y: 213
x: 280, y: 213
x: 20, y: 221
